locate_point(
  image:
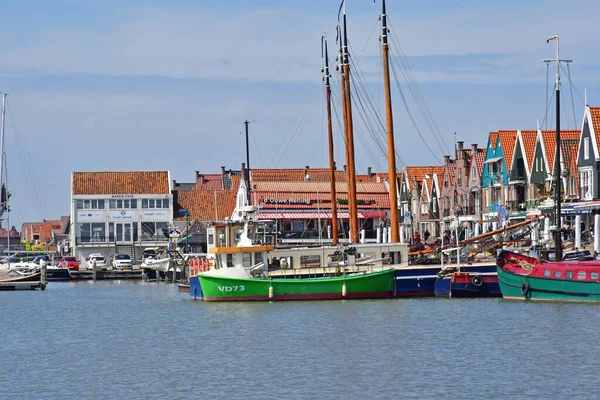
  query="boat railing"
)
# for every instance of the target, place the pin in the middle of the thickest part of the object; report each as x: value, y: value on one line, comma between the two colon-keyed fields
x: 326, y: 271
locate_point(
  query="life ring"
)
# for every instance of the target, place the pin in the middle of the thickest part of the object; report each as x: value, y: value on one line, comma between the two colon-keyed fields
x: 477, y: 281
x: 525, y: 289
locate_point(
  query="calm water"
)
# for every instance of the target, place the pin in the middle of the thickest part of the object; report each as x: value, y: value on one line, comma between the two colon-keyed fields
x: 142, y: 340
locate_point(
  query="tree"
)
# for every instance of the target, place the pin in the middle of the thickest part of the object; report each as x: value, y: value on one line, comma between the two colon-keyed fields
x: 5, y: 198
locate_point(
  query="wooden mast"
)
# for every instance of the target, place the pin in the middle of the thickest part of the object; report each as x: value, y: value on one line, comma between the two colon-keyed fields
x: 392, y: 178
x: 351, y: 171
x: 334, y: 221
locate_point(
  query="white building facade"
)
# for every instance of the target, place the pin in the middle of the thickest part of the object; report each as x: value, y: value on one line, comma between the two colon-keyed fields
x: 120, y: 212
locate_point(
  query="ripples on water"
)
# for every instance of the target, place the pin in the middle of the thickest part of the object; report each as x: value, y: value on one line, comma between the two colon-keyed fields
x: 140, y: 340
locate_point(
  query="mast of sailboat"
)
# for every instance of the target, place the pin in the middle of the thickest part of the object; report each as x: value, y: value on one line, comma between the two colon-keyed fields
x: 326, y: 76
x: 3, y: 188
x: 351, y: 170
x: 246, y: 122
x: 557, y: 172
x: 392, y: 178
x: 344, y: 104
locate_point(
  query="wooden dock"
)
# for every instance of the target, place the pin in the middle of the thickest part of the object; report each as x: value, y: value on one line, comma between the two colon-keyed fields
x: 24, y: 285
x: 105, y: 274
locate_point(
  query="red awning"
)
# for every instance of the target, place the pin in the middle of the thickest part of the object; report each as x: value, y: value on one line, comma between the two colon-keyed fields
x: 269, y: 215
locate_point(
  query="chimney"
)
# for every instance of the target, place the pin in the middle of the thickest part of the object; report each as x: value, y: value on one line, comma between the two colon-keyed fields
x: 222, y: 170
x: 474, y: 148
x: 446, y: 159
x: 334, y: 166
x: 344, y: 168
x: 459, y: 149
x: 369, y: 174
x: 197, y: 175
x: 174, y: 184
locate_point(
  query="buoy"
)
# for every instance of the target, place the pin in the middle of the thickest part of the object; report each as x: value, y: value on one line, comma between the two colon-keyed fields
x: 344, y: 290
x: 271, y: 292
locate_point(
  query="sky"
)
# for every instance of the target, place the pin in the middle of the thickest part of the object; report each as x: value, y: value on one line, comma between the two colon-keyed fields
x: 134, y: 85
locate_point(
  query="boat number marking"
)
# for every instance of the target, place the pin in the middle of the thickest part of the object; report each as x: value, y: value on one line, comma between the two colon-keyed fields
x: 232, y: 288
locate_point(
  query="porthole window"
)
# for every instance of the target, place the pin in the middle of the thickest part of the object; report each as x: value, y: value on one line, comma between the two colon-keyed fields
x: 557, y: 274
x: 594, y: 276
x: 547, y: 272
x: 569, y: 275
x: 581, y: 275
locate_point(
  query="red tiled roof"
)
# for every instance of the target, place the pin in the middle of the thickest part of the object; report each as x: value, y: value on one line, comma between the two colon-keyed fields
x: 528, y: 139
x: 294, y: 175
x: 209, y: 182
x: 418, y: 172
x: 595, y: 113
x: 507, y: 140
x: 206, y: 205
x: 313, y: 187
x: 549, y: 142
x: 479, y: 160
x: 493, y: 139
x: 137, y: 182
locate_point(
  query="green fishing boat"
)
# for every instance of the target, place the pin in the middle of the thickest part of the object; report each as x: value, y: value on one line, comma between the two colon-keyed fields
x: 367, y: 285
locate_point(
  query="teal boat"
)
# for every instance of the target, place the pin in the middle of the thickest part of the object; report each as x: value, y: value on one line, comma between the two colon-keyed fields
x: 526, y: 278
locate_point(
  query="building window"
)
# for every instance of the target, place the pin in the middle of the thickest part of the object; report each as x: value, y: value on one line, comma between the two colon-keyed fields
x: 572, y: 186
x: 89, y: 204
x: 459, y: 176
x: 90, y: 232
x: 155, y: 230
x: 36, y: 236
x: 586, y: 148
x: 144, y: 203
x: 121, y: 204
x: 473, y: 174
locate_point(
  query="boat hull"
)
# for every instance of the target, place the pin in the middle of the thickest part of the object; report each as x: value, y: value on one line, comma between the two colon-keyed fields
x: 465, y: 285
x: 524, y: 287
x: 420, y: 282
x: 364, y: 286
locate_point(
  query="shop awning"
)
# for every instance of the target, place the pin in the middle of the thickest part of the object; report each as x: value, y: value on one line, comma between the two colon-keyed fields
x: 589, y: 205
x: 270, y: 215
x: 492, y: 160
x: 533, y: 214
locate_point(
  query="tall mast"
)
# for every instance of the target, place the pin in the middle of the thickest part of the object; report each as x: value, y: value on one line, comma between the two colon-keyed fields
x: 344, y: 107
x: 390, y: 129
x: 557, y: 174
x: 353, y: 216
x: 247, y: 162
x: 334, y: 221
x: 2, y: 186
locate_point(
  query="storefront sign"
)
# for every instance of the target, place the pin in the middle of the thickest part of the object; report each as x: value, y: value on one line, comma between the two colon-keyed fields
x: 122, y: 196
x: 122, y: 215
x: 155, y: 215
x: 345, y: 201
x: 273, y: 200
x: 90, y: 215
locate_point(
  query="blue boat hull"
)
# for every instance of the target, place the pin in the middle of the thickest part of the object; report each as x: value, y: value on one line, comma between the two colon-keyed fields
x: 195, y: 288
x: 420, y: 282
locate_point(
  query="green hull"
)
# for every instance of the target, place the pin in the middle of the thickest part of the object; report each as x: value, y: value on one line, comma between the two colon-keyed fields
x: 365, y: 286
x: 520, y: 287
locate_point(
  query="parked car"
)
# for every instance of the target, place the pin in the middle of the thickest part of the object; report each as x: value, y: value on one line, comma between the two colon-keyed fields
x: 122, y: 261
x: 98, y: 258
x: 69, y: 262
